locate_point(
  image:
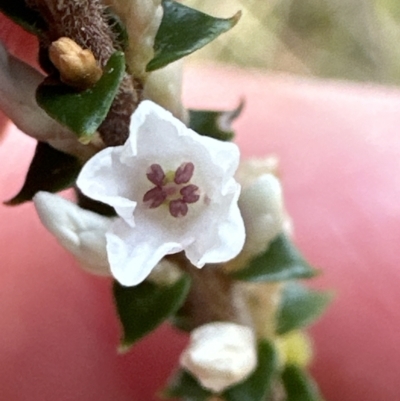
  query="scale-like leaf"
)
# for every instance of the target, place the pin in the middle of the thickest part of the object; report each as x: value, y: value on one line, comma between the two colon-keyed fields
x: 300, y: 306
x: 184, y: 30
x: 257, y: 387
x: 299, y: 386
x: 50, y: 170
x: 215, y: 124
x: 83, y: 112
x: 24, y: 16
x: 144, y: 307
x: 281, y: 261
x: 184, y: 385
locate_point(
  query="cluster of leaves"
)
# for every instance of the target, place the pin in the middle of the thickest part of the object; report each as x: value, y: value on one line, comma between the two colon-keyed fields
x: 143, y: 308
x: 140, y: 312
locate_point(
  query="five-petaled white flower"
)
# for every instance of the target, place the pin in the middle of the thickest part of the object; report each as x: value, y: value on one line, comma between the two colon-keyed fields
x: 172, y: 189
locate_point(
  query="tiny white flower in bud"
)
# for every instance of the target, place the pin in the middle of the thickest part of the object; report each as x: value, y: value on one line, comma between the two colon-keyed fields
x: 80, y: 231
x: 250, y: 169
x: 220, y: 355
x: 164, y: 87
x: 165, y: 273
x: 141, y: 18
x: 261, y: 205
x: 173, y: 191
x: 18, y: 84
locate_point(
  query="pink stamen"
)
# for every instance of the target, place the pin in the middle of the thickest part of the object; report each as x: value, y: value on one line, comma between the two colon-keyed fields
x: 155, y: 174
x: 178, y: 208
x: 155, y: 197
x: 189, y: 194
x: 184, y: 173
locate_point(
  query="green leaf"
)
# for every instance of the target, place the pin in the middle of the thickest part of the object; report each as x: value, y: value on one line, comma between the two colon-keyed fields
x: 184, y: 385
x: 144, y: 307
x: 50, y: 170
x: 299, y: 385
x: 258, y: 386
x: 215, y: 124
x: 281, y: 261
x: 300, y: 306
x: 184, y: 30
x: 83, y: 112
x: 20, y: 13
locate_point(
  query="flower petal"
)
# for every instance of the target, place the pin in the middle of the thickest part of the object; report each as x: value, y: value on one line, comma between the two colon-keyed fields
x: 225, y: 236
x: 133, y: 253
x: 100, y: 179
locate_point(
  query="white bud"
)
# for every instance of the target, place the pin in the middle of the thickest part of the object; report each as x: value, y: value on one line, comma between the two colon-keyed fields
x: 220, y: 355
x: 250, y: 169
x: 141, y: 18
x: 80, y: 231
x: 165, y: 273
x: 164, y: 87
x: 261, y: 205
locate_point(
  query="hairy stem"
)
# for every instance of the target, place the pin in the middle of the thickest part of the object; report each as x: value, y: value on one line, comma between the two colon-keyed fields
x: 86, y: 23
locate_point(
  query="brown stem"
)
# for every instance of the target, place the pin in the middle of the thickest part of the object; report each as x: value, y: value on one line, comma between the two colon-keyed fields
x: 212, y: 297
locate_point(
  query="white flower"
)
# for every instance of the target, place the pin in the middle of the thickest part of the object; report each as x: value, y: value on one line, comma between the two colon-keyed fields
x: 80, y: 231
x: 220, y: 355
x: 172, y: 189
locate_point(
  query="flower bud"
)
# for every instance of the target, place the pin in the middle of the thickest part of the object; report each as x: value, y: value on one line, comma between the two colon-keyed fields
x: 261, y: 205
x: 220, y: 355
x: 77, y: 67
x: 141, y: 18
x: 80, y: 231
x: 166, y: 273
x: 164, y: 87
x: 294, y: 348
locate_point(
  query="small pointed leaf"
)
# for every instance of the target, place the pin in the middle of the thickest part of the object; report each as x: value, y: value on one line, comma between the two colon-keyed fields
x: 21, y: 14
x: 83, y: 112
x: 257, y: 387
x: 184, y: 385
x: 50, y: 170
x: 184, y: 30
x: 300, y: 306
x: 299, y: 386
x: 144, y: 307
x: 281, y: 261
x: 215, y: 124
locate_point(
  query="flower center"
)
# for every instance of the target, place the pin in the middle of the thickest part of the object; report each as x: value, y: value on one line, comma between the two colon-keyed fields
x: 172, y: 188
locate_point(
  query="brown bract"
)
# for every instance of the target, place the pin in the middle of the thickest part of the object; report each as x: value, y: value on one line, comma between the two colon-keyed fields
x: 77, y: 66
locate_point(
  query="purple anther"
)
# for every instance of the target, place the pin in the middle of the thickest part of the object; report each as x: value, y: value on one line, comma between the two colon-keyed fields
x: 189, y: 194
x: 178, y: 208
x: 154, y: 197
x: 155, y: 174
x: 184, y: 173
